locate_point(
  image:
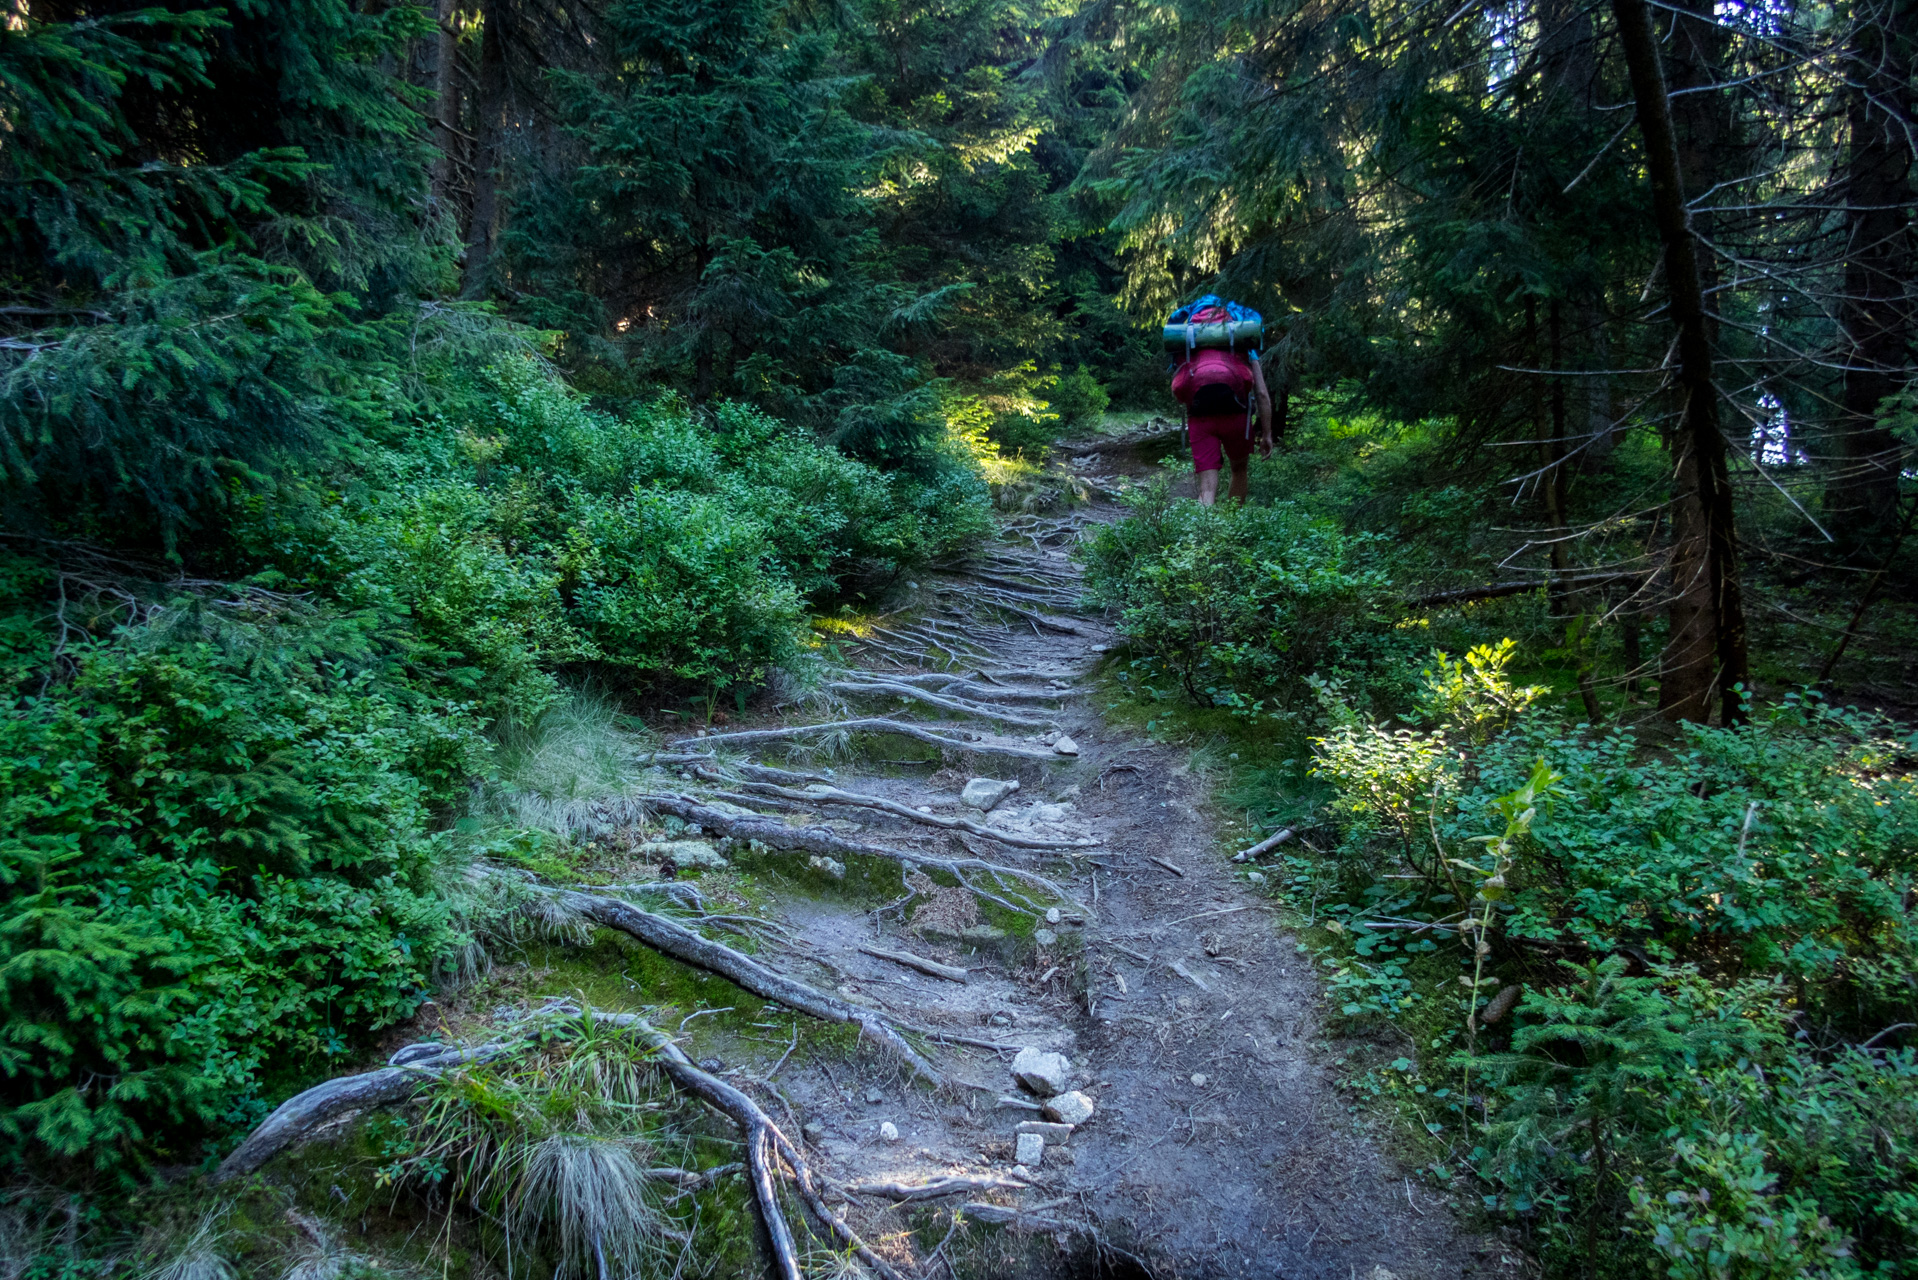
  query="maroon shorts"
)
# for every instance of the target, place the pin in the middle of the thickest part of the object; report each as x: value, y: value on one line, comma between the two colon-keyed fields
x: 1210, y: 435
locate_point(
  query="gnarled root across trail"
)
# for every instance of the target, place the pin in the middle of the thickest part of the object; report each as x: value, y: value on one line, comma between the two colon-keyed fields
x: 671, y: 938
x: 822, y: 793
x: 766, y: 1146
x: 777, y: 835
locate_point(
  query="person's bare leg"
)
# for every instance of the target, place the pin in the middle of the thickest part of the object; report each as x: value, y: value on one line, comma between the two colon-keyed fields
x: 1241, y: 476
x: 1209, y: 487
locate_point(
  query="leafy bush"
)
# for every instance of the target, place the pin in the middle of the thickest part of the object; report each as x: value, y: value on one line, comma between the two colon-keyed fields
x: 218, y: 801
x: 1078, y: 399
x: 1712, y: 1083
x: 214, y: 867
x: 1239, y: 604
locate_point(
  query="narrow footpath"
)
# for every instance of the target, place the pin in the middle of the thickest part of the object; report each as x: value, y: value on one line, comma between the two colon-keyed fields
x: 1218, y: 1144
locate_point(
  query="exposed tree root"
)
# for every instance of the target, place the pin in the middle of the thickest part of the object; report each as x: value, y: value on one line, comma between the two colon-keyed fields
x: 875, y: 724
x: 669, y: 937
x: 754, y: 826
x: 683, y: 892
x: 764, y: 1143
x: 947, y: 682
x: 951, y: 1185
x: 903, y: 690
x: 297, y: 1118
x: 822, y: 794
x: 991, y: 600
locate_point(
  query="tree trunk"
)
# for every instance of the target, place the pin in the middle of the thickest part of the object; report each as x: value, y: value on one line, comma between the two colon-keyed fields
x: 1877, y: 320
x: 482, y: 224
x: 1707, y: 647
x: 446, y: 104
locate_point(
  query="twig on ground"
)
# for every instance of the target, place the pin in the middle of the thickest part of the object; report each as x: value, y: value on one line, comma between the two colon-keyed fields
x: 931, y: 968
x: 1264, y: 846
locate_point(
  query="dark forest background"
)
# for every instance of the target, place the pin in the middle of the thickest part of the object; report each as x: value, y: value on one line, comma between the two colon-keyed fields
x: 379, y: 376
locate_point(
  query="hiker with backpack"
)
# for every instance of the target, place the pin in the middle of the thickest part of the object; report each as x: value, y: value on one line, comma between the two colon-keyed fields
x: 1218, y: 378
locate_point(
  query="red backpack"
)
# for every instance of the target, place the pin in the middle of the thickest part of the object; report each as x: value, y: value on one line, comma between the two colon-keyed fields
x: 1211, y: 381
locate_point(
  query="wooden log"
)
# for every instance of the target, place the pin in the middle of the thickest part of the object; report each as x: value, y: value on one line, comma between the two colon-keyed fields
x: 932, y: 968
x: 1264, y: 846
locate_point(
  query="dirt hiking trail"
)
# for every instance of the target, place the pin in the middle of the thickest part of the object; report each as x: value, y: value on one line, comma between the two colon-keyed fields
x: 1218, y: 1144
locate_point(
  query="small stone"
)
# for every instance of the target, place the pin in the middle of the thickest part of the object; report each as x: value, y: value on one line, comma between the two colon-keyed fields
x: 683, y: 854
x: 889, y: 1131
x: 1042, y: 1072
x: 1046, y: 1129
x: 1069, y: 1108
x: 1380, y: 1273
x: 1198, y: 1079
x: 875, y: 1097
x: 1031, y: 1149
x: 813, y: 1131
x: 827, y: 866
x: 925, y: 808
x: 1052, y: 915
x: 1255, y: 877
x: 1000, y: 1019
x: 1044, y: 937
x: 983, y: 793
x: 1066, y: 747
x: 1101, y: 648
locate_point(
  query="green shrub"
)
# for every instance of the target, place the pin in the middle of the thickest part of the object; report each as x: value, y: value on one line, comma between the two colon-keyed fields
x: 1078, y: 399
x: 1711, y: 1095
x: 214, y: 871
x: 1239, y: 604
x: 679, y: 585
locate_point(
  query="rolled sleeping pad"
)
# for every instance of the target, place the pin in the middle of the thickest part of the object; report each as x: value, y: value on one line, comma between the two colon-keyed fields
x: 1234, y: 335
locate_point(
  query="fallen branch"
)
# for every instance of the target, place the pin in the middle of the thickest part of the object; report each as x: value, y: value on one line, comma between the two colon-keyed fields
x: 1495, y: 590
x: 821, y: 794
x: 1264, y: 846
x: 874, y: 724
x: 932, y: 968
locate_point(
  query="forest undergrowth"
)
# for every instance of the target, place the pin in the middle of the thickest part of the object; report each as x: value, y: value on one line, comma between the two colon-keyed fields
x: 409, y: 412
x: 1644, y: 991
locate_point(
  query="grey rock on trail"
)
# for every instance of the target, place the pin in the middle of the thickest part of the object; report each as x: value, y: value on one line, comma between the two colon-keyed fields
x: 1043, y: 1073
x: 983, y: 793
x: 683, y: 854
x: 1031, y: 1149
x: 1072, y: 1108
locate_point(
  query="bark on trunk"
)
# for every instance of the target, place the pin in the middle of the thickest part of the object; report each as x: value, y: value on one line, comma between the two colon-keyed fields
x: 446, y: 103
x: 482, y: 224
x: 1877, y: 317
x: 1707, y: 648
